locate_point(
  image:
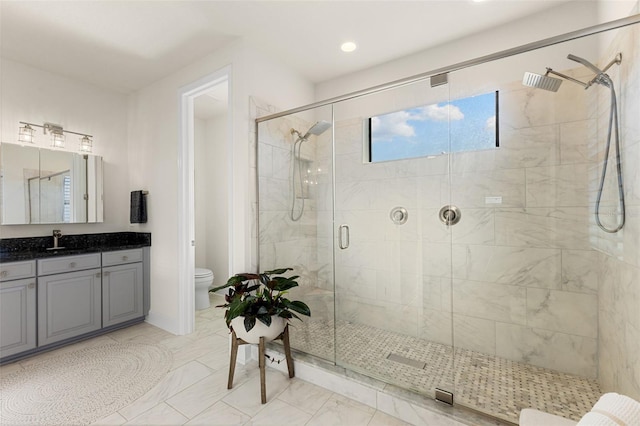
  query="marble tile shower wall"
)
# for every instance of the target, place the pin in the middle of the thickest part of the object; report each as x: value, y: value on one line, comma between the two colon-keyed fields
x: 518, y: 280
x: 619, y: 292
x: 284, y: 242
x: 298, y: 244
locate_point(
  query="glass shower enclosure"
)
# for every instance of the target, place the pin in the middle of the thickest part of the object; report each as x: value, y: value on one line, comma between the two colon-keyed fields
x: 445, y: 234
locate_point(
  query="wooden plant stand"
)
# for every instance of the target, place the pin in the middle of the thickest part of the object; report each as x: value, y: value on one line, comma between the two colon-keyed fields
x: 236, y: 341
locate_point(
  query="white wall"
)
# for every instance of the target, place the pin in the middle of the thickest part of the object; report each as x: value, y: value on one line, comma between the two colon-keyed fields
x: 37, y: 96
x: 215, y: 179
x: 154, y: 134
x: 212, y: 197
x: 200, y: 188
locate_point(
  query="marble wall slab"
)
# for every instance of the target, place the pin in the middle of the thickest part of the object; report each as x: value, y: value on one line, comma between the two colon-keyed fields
x: 578, y: 142
x: 562, y: 227
x: 619, y: 279
x: 519, y: 266
x: 469, y: 190
x: 580, y: 271
x: 549, y: 349
x: 475, y: 334
x: 559, y: 186
x: 497, y: 302
x: 567, y: 312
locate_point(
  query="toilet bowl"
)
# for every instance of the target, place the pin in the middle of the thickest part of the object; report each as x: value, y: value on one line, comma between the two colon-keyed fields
x: 203, y: 279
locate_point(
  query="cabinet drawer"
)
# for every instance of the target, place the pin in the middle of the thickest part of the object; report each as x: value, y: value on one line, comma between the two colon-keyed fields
x: 121, y: 256
x: 68, y: 264
x: 17, y: 270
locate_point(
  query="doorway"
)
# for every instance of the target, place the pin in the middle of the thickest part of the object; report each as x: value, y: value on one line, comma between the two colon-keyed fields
x: 205, y: 181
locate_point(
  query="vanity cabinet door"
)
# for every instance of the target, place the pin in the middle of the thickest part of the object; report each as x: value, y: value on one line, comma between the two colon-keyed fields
x: 122, y: 293
x: 68, y: 305
x: 17, y: 316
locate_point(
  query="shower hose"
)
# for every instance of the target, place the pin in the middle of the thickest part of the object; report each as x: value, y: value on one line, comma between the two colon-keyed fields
x: 605, y: 80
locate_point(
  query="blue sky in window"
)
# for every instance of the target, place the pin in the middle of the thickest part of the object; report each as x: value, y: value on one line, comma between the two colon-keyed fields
x: 467, y: 124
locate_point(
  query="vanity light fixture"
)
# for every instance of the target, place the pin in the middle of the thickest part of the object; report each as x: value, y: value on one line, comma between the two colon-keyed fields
x: 86, y: 144
x: 57, y: 135
x: 26, y: 134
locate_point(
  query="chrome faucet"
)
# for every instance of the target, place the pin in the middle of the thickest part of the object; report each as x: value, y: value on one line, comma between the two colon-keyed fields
x: 57, y: 234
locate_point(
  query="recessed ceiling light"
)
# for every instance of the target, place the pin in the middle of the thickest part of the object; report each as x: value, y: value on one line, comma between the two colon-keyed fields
x: 348, y: 46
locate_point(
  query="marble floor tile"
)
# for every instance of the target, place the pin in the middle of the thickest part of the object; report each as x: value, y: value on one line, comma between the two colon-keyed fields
x: 246, y: 397
x: 339, y: 410
x: 112, y: 419
x: 305, y: 396
x: 161, y: 414
x: 383, y: 419
x: 173, y: 383
x: 219, y: 414
x: 278, y: 413
x: 201, y: 395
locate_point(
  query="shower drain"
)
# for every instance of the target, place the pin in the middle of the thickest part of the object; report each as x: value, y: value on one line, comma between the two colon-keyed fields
x: 406, y: 361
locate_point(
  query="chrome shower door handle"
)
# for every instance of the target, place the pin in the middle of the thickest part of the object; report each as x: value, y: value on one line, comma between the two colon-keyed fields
x: 343, y: 236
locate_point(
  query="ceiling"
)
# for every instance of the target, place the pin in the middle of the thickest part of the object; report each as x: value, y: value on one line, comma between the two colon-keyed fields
x: 126, y: 45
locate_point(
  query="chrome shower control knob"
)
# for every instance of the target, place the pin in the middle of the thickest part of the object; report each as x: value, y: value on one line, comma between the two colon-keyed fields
x: 450, y: 215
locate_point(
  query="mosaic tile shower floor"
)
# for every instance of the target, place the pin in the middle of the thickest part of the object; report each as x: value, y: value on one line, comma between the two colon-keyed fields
x: 486, y: 383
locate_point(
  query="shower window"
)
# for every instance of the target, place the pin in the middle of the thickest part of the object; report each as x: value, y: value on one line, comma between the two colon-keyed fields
x: 468, y: 124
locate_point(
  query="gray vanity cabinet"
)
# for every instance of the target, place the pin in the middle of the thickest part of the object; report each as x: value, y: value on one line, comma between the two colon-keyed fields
x: 122, y: 286
x: 69, y: 303
x: 17, y: 307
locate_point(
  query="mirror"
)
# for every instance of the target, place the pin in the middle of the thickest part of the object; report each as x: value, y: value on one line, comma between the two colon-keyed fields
x: 49, y: 186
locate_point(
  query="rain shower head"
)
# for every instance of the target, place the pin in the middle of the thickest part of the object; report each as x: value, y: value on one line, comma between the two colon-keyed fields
x: 538, y: 81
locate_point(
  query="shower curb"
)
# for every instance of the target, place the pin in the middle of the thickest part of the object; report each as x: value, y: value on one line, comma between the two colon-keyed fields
x: 397, y: 402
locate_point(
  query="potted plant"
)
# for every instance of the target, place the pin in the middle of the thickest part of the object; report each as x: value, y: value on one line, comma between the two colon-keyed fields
x: 256, y: 305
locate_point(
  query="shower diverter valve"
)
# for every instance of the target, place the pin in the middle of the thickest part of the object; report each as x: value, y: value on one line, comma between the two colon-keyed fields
x: 399, y: 215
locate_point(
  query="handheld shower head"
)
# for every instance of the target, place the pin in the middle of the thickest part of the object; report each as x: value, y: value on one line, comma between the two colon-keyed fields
x: 585, y: 63
x: 317, y: 129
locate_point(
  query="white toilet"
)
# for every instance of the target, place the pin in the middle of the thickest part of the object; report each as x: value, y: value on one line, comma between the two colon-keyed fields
x: 204, y: 278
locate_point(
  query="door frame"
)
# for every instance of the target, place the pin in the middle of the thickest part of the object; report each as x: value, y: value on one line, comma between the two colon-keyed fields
x: 186, y: 189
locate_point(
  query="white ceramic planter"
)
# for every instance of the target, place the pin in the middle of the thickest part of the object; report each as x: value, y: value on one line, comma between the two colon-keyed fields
x: 259, y: 330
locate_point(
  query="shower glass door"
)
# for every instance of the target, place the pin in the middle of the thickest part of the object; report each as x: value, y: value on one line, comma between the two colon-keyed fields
x: 445, y: 235
x: 526, y: 251
x: 295, y: 218
x: 392, y: 254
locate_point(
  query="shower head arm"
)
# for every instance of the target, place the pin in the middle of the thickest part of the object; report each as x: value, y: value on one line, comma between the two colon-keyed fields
x: 566, y: 77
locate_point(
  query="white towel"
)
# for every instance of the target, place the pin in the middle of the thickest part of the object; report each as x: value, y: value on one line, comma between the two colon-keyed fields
x: 620, y: 408
x: 596, y: 419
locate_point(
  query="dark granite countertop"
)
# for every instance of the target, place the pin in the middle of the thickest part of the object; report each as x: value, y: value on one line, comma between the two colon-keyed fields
x: 16, y: 249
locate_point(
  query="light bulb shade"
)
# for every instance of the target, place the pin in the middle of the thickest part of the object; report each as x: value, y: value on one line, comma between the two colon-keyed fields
x: 57, y: 140
x: 86, y: 144
x: 26, y: 134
